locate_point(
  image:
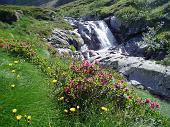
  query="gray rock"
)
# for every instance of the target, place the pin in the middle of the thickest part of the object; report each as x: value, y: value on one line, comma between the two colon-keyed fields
x: 65, y: 51
x: 145, y: 72
x: 64, y: 38
x: 115, y: 23
x: 135, y: 47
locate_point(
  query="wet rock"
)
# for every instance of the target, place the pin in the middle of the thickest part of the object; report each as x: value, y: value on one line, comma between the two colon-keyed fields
x: 113, y: 22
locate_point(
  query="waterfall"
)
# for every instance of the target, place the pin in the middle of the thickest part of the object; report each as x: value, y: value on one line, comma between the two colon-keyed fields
x: 103, y: 34
x: 96, y: 35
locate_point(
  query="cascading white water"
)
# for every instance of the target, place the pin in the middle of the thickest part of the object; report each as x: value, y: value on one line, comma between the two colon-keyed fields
x: 103, y: 34
x: 96, y: 35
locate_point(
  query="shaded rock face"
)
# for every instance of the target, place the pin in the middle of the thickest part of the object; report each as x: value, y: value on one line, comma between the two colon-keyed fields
x: 135, y: 47
x: 113, y: 23
x: 10, y: 16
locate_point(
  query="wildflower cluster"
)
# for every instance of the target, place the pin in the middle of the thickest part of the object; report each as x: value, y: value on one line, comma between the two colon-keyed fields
x: 19, y: 117
x: 152, y: 104
x: 93, y: 89
x: 13, y: 68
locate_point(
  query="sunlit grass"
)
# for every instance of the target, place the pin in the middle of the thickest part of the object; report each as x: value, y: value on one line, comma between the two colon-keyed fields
x: 29, y: 96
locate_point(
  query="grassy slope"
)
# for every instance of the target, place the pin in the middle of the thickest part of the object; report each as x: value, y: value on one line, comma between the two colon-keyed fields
x: 31, y: 93
x: 30, y: 96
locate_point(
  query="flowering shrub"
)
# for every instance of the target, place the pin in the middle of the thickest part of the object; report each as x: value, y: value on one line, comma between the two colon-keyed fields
x: 94, y: 90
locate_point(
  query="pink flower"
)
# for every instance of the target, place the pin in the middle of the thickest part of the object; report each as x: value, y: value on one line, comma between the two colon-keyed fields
x: 152, y: 105
x: 86, y: 63
x: 97, y: 62
x: 104, y: 81
x: 67, y: 90
x: 129, y: 97
x: 110, y: 75
x: 122, y: 81
x: 157, y: 105
x: 78, y: 86
x: 147, y: 100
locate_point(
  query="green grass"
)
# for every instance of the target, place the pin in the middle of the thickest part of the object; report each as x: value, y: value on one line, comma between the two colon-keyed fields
x: 30, y: 96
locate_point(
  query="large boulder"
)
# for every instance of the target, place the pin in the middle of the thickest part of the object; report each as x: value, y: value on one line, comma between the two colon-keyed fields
x: 136, y: 47
x: 154, y: 77
x: 113, y: 23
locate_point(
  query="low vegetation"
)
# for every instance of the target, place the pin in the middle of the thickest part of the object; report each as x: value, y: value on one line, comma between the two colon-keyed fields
x: 41, y: 88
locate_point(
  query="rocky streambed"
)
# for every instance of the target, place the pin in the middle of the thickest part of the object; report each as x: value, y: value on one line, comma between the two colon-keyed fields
x: 99, y: 40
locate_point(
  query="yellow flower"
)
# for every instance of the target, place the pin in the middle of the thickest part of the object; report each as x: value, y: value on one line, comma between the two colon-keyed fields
x: 29, y: 118
x: 13, y: 71
x: 65, y: 110
x: 16, y: 62
x: 49, y: 68
x: 54, y: 81
x: 61, y: 98
x: 18, y: 117
x: 12, y: 86
x: 104, y: 108
x: 10, y: 64
x: 78, y: 107
x: 14, y: 110
x: 72, y: 109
